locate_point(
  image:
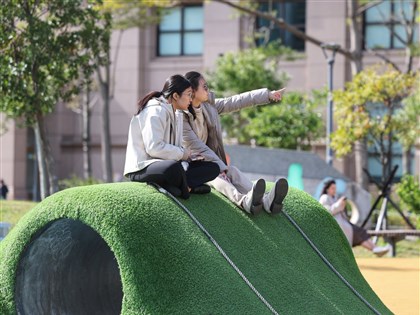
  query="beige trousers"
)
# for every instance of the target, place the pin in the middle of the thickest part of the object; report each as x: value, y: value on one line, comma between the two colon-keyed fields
x: 238, y: 187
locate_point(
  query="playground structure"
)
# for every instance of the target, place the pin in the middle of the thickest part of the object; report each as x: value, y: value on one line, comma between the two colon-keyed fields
x: 128, y: 248
x: 381, y: 226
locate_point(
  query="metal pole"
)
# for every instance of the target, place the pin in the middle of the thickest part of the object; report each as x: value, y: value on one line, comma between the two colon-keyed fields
x: 329, y: 153
x: 330, y: 60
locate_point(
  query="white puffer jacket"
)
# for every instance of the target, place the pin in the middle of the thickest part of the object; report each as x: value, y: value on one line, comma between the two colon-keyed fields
x: 154, y: 135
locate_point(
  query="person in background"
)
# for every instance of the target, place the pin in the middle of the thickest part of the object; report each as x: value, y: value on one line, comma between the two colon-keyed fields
x: 154, y: 152
x: 355, y: 235
x: 4, y: 189
x: 203, y: 136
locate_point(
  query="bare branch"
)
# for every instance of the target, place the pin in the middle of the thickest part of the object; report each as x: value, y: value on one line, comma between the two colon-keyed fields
x: 384, y: 58
x: 367, y: 6
x: 284, y: 25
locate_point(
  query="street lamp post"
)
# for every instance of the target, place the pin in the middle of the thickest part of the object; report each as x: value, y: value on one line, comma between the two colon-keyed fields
x: 330, y: 59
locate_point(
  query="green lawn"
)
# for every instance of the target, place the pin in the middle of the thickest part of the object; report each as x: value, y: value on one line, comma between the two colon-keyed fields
x: 407, y: 248
x: 12, y: 210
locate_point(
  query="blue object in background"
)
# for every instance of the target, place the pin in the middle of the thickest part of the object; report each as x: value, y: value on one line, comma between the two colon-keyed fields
x: 294, y: 176
x: 340, y: 184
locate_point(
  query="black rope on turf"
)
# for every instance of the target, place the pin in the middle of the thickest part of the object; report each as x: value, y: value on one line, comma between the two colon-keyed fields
x: 291, y: 220
x: 214, y: 242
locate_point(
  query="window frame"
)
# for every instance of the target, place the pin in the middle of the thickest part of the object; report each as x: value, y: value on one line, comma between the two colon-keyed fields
x: 182, y: 31
x: 283, y: 32
x: 389, y: 25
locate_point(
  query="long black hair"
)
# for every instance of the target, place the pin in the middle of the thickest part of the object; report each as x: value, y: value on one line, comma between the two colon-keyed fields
x: 174, y: 84
x: 194, y: 78
x: 327, y: 185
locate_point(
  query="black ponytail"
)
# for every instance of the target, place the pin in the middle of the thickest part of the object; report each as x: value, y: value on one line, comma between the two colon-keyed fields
x: 142, y: 103
x: 174, y: 84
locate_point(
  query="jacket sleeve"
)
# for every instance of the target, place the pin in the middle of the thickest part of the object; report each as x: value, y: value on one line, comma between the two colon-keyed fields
x: 191, y: 141
x: 239, y: 101
x: 153, y: 124
x: 332, y: 208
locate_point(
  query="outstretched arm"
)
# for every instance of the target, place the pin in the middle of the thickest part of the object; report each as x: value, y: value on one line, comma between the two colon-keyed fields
x: 247, y: 99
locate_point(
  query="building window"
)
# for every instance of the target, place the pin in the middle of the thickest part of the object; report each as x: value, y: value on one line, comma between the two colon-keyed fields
x: 383, y: 27
x: 396, y: 158
x: 292, y: 12
x: 180, y: 32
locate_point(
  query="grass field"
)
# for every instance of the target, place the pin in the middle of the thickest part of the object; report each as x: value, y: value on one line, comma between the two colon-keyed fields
x: 12, y: 210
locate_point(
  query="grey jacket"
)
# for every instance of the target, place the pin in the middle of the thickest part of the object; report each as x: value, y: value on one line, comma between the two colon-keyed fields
x: 154, y: 135
x: 213, y: 149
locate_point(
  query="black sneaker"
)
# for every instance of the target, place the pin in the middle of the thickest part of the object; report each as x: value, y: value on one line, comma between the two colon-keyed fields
x: 253, y: 200
x: 273, y: 200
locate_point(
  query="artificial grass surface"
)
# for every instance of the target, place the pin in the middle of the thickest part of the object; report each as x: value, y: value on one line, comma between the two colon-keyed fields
x: 168, y: 266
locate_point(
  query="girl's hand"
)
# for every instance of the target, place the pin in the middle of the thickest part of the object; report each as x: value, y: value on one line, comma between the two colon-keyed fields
x: 343, y: 201
x: 276, y: 96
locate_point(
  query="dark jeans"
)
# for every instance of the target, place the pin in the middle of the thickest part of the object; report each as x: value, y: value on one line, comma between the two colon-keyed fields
x: 170, y: 174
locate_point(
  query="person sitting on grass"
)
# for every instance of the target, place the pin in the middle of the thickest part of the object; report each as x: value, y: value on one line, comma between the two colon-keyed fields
x: 356, y: 235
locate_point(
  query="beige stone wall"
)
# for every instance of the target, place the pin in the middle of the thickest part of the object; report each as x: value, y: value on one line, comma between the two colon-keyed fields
x: 13, y: 152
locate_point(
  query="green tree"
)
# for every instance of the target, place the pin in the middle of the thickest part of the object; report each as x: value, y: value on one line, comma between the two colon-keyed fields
x: 293, y: 124
x: 408, y: 126
x: 239, y: 72
x: 45, y: 47
x: 409, y: 192
x: 366, y: 110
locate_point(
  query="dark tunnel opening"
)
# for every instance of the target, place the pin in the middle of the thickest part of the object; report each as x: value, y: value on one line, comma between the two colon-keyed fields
x: 67, y: 268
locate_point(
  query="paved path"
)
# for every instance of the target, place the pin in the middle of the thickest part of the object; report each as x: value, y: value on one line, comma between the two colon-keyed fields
x: 396, y: 281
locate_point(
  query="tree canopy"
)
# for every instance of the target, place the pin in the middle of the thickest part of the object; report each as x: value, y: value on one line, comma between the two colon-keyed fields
x: 292, y: 124
x: 45, y: 48
x: 366, y: 109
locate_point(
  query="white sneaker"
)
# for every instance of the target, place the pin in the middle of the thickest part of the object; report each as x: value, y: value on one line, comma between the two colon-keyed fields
x: 273, y: 200
x: 381, y: 250
x: 252, y: 202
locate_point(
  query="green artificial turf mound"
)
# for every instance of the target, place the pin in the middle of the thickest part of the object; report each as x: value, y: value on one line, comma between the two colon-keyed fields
x: 127, y: 248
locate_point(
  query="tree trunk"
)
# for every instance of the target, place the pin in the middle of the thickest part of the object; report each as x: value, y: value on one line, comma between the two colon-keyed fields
x: 45, y: 160
x: 43, y: 176
x: 87, y: 165
x: 406, y: 161
x: 49, y: 160
x: 355, y: 35
x: 105, y: 135
x: 356, y: 40
x: 361, y: 159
